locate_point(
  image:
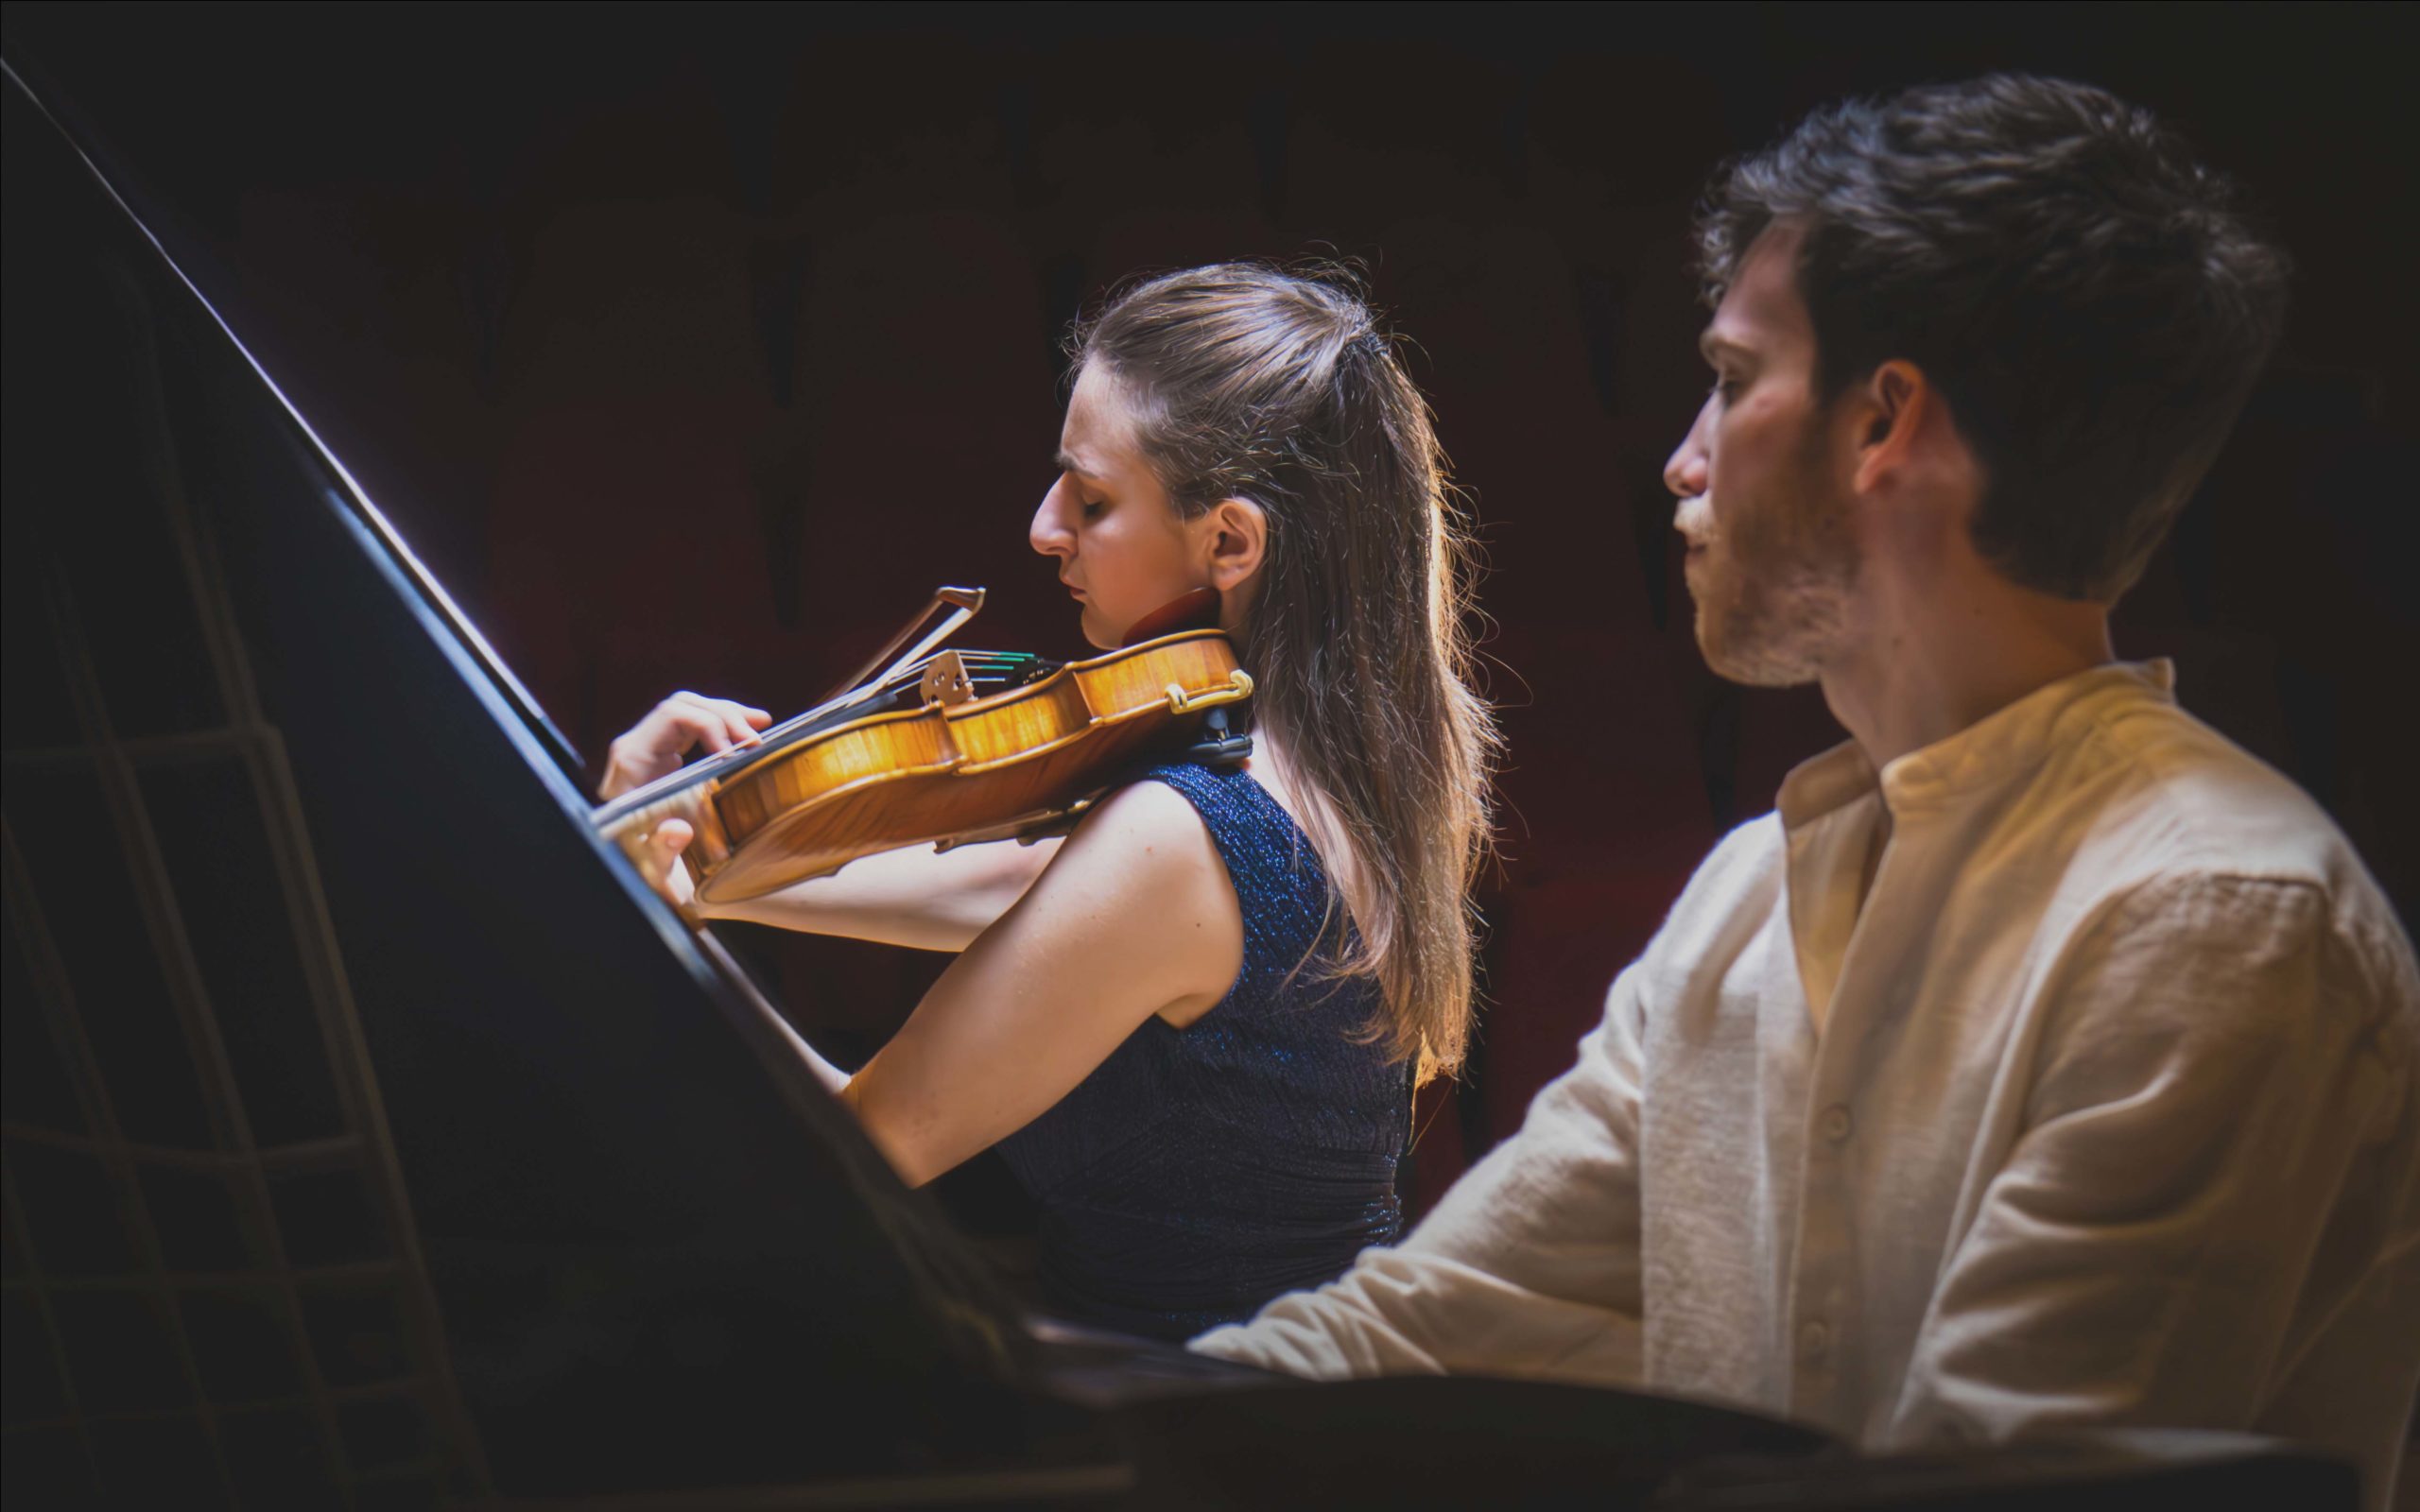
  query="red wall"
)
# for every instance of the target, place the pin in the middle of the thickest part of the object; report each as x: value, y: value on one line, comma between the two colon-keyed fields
x: 695, y: 358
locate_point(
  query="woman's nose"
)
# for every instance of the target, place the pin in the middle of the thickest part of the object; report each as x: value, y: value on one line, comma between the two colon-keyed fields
x: 1685, y: 471
x: 1049, y: 534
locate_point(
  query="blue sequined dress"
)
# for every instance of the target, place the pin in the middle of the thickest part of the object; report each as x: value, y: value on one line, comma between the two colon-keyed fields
x: 1199, y: 1171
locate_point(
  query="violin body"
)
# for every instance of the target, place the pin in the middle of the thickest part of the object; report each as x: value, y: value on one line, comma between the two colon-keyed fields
x: 933, y: 761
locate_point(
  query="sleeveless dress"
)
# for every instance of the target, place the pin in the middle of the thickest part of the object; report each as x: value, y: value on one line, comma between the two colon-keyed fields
x: 1199, y: 1171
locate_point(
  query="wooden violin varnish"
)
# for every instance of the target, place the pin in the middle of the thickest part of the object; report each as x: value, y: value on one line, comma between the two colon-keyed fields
x: 947, y: 748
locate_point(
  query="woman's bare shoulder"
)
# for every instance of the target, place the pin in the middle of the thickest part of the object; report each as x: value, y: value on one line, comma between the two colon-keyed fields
x: 1149, y: 828
x: 1137, y: 896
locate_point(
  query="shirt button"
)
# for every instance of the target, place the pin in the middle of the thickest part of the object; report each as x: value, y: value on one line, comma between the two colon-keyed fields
x: 1837, y: 1123
x: 1814, y: 1337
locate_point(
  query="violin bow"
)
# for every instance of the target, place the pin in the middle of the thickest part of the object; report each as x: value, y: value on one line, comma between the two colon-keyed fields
x: 963, y: 604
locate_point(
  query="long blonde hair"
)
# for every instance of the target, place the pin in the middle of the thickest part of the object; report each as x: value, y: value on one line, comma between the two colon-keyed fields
x: 1249, y: 381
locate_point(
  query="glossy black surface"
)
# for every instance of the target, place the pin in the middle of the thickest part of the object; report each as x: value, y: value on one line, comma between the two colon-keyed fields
x: 233, y: 717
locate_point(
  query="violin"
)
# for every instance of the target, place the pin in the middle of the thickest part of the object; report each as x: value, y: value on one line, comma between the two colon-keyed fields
x: 947, y: 748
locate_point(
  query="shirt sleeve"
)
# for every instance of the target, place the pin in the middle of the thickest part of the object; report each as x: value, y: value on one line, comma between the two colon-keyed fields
x: 2171, y: 1235
x: 1528, y: 1267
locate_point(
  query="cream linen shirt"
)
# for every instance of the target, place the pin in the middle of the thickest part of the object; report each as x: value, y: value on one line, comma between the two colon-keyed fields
x: 2100, y: 1110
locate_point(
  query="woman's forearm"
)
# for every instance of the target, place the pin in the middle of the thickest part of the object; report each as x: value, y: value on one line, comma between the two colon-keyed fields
x: 916, y: 897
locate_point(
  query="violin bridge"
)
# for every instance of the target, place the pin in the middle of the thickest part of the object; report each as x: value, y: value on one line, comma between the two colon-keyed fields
x: 946, y: 681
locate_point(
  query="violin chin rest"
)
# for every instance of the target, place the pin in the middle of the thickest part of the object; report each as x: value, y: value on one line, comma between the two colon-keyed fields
x: 1195, y: 610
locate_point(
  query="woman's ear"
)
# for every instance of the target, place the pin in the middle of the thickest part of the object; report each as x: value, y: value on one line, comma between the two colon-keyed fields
x: 1232, y: 537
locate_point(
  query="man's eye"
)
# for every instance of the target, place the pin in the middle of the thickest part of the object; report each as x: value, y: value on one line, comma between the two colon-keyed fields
x: 1726, y: 389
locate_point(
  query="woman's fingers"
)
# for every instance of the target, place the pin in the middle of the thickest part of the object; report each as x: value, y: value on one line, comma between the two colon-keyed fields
x: 691, y: 720
x: 655, y: 745
x: 659, y: 861
x: 672, y: 837
x: 719, y: 724
x: 744, y: 715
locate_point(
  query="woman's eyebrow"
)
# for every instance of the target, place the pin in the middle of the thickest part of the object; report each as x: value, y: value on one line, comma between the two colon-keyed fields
x: 1067, y: 463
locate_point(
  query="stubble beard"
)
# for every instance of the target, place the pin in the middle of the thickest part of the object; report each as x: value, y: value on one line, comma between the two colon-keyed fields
x: 1773, y: 593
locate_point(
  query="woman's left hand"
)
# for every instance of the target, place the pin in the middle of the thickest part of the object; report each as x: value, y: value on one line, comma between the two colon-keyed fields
x: 655, y: 745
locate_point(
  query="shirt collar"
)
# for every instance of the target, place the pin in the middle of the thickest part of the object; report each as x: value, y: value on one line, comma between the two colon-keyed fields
x: 1993, y: 751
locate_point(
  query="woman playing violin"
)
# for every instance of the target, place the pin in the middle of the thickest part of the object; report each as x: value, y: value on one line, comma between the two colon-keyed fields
x: 1194, y: 1026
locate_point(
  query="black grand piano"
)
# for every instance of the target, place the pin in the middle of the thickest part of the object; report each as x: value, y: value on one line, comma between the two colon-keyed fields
x: 342, y: 1172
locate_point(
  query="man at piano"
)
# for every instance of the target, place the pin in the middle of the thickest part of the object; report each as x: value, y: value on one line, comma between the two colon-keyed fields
x: 2046, y: 1060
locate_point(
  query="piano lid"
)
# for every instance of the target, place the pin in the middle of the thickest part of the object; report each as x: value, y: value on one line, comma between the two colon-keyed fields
x: 372, y: 1128
x: 423, y: 584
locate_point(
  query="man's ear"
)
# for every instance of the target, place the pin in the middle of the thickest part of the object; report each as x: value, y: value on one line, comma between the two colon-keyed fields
x: 1889, y: 416
x: 1233, y: 539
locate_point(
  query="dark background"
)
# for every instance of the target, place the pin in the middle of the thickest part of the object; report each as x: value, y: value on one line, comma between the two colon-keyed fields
x: 692, y: 347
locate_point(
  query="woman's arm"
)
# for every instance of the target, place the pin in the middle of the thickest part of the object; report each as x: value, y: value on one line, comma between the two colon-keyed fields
x: 1133, y: 917
x: 918, y: 897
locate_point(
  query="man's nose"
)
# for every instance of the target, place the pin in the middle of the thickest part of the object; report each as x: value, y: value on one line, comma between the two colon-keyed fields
x: 1685, y: 471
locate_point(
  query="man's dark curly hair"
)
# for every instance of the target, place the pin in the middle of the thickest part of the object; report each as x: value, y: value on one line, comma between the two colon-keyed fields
x: 2088, y: 299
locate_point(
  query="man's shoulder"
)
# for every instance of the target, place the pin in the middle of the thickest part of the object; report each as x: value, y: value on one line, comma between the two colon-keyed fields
x: 2168, y: 808
x: 1735, y: 887
x: 2170, y: 795
x: 1757, y: 845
